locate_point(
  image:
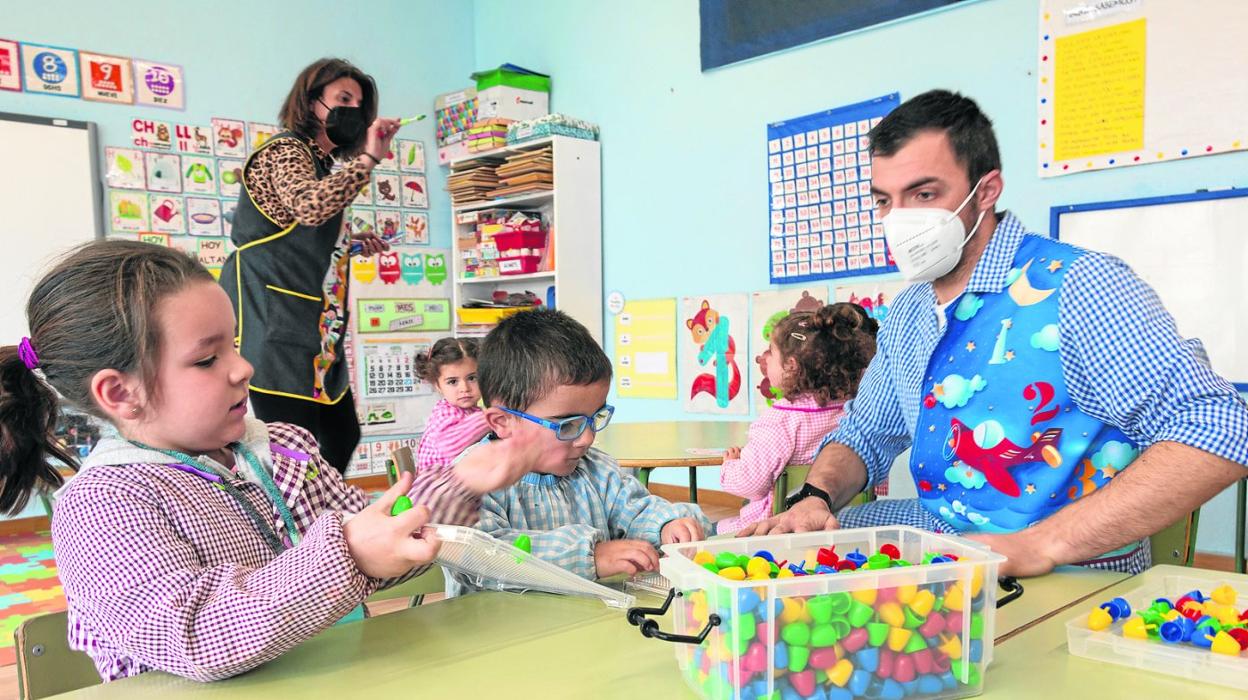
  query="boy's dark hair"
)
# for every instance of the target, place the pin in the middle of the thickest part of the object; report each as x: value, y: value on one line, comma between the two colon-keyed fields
x: 447, y: 351
x: 530, y: 353
x: 832, y: 348
x: 95, y: 310
x: 969, y: 130
x: 298, y: 113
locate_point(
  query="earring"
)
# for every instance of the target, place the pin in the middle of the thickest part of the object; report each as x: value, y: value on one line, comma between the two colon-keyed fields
x: 134, y: 411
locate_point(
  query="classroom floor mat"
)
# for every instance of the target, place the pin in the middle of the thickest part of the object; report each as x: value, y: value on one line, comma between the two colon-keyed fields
x: 28, y: 584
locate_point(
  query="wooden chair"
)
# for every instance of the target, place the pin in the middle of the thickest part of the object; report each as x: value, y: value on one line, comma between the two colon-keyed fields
x: 45, y: 664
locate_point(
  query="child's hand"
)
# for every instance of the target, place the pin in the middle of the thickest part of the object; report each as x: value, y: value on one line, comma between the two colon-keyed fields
x: 732, y: 453
x: 500, y: 463
x: 625, y: 557
x: 385, y: 546
x: 681, y: 530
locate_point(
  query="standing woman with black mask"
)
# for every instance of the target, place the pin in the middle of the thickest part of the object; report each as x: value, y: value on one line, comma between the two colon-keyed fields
x: 288, y: 276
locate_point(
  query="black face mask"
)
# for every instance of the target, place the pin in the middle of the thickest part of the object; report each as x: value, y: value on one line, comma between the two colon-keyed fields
x: 345, y: 126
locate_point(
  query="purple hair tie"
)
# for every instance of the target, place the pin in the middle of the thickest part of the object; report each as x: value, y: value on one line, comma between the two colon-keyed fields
x: 27, y: 352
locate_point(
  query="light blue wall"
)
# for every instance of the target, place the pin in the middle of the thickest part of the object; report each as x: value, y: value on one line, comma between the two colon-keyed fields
x: 240, y: 58
x: 239, y: 62
x: 684, y: 195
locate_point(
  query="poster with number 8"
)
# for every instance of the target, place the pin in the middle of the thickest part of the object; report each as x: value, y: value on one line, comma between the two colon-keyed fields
x: 50, y: 70
x: 822, y: 217
x: 159, y: 84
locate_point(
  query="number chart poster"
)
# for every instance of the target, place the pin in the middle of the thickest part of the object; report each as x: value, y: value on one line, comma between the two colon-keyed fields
x: 819, y: 177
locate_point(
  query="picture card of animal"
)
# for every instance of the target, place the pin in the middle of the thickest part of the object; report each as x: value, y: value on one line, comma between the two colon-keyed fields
x: 386, y: 190
x: 229, y: 137
x: 713, y: 348
x: 770, y: 308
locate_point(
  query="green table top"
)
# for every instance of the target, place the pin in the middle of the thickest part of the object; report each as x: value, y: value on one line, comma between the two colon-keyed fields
x: 507, y: 645
x: 671, y: 443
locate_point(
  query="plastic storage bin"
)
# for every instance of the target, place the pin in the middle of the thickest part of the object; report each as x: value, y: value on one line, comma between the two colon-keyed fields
x: 871, y: 633
x: 1175, y: 659
x: 485, y: 316
x: 519, y: 265
x: 518, y: 240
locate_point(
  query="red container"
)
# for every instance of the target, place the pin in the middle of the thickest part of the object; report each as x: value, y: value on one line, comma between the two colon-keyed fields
x: 518, y: 240
x: 519, y: 265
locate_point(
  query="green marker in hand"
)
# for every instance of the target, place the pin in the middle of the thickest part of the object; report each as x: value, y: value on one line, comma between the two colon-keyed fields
x: 409, y: 120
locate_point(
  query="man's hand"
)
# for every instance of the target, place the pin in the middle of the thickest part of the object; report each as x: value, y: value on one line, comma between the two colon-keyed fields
x: 808, y: 515
x: 1026, y: 557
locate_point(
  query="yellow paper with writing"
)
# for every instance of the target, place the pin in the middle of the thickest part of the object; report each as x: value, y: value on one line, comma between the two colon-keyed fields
x: 645, y: 349
x: 1098, y: 98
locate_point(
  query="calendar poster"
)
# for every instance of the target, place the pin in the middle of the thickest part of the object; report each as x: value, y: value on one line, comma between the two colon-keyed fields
x: 822, y: 216
x: 390, y: 370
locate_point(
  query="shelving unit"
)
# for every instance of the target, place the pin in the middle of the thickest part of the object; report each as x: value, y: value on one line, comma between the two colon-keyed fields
x: 573, y: 215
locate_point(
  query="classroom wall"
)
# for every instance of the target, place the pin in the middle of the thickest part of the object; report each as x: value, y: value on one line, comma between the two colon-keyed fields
x: 239, y: 60
x: 239, y: 63
x: 684, y: 181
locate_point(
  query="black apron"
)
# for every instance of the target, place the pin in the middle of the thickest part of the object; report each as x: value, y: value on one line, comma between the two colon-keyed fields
x: 276, y: 279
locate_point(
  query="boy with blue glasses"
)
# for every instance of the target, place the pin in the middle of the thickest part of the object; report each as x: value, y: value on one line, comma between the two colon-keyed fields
x: 545, y: 380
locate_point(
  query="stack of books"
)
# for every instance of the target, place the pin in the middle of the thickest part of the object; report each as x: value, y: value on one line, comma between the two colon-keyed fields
x: 523, y: 173
x: 472, y: 181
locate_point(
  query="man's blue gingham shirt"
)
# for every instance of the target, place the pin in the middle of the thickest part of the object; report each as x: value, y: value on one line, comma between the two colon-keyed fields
x: 1123, y: 360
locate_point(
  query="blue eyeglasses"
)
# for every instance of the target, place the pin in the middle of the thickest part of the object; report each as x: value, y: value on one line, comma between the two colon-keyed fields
x: 570, y: 428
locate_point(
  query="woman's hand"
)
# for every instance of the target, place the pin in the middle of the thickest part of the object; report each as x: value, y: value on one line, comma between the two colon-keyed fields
x: 380, y: 133
x: 372, y: 243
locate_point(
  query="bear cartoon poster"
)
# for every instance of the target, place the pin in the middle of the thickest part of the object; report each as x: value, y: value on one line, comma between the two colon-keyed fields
x: 714, y: 353
x: 769, y: 307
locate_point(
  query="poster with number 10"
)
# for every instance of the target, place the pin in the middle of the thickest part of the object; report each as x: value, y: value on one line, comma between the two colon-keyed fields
x: 822, y: 216
x: 159, y: 84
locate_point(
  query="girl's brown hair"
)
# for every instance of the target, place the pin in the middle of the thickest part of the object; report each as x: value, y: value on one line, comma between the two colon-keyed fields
x: 94, y: 310
x: 298, y: 114
x: 832, y: 348
x: 447, y: 351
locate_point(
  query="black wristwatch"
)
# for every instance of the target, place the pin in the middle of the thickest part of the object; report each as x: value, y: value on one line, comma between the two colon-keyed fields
x: 806, y: 491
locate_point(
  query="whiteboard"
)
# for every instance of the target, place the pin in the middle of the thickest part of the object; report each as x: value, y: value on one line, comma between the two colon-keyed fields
x: 1192, y: 249
x: 1194, y: 95
x: 50, y: 200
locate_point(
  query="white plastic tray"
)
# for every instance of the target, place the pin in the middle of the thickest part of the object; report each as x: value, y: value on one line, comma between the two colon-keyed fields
x: 1182, y: 660
x: 493, y: 564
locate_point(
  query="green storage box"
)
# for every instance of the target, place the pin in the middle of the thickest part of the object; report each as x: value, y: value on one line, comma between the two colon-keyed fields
x: 502, y: 76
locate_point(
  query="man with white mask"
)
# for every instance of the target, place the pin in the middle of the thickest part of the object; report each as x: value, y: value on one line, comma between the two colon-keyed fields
x: 1051, y: 408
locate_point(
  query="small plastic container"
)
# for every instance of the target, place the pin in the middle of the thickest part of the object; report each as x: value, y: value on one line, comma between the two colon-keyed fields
x: 1175, y: 659
x: 519, y: 265
x: 518, y: 240
x: 487, y: 315
x: 865, y: 634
